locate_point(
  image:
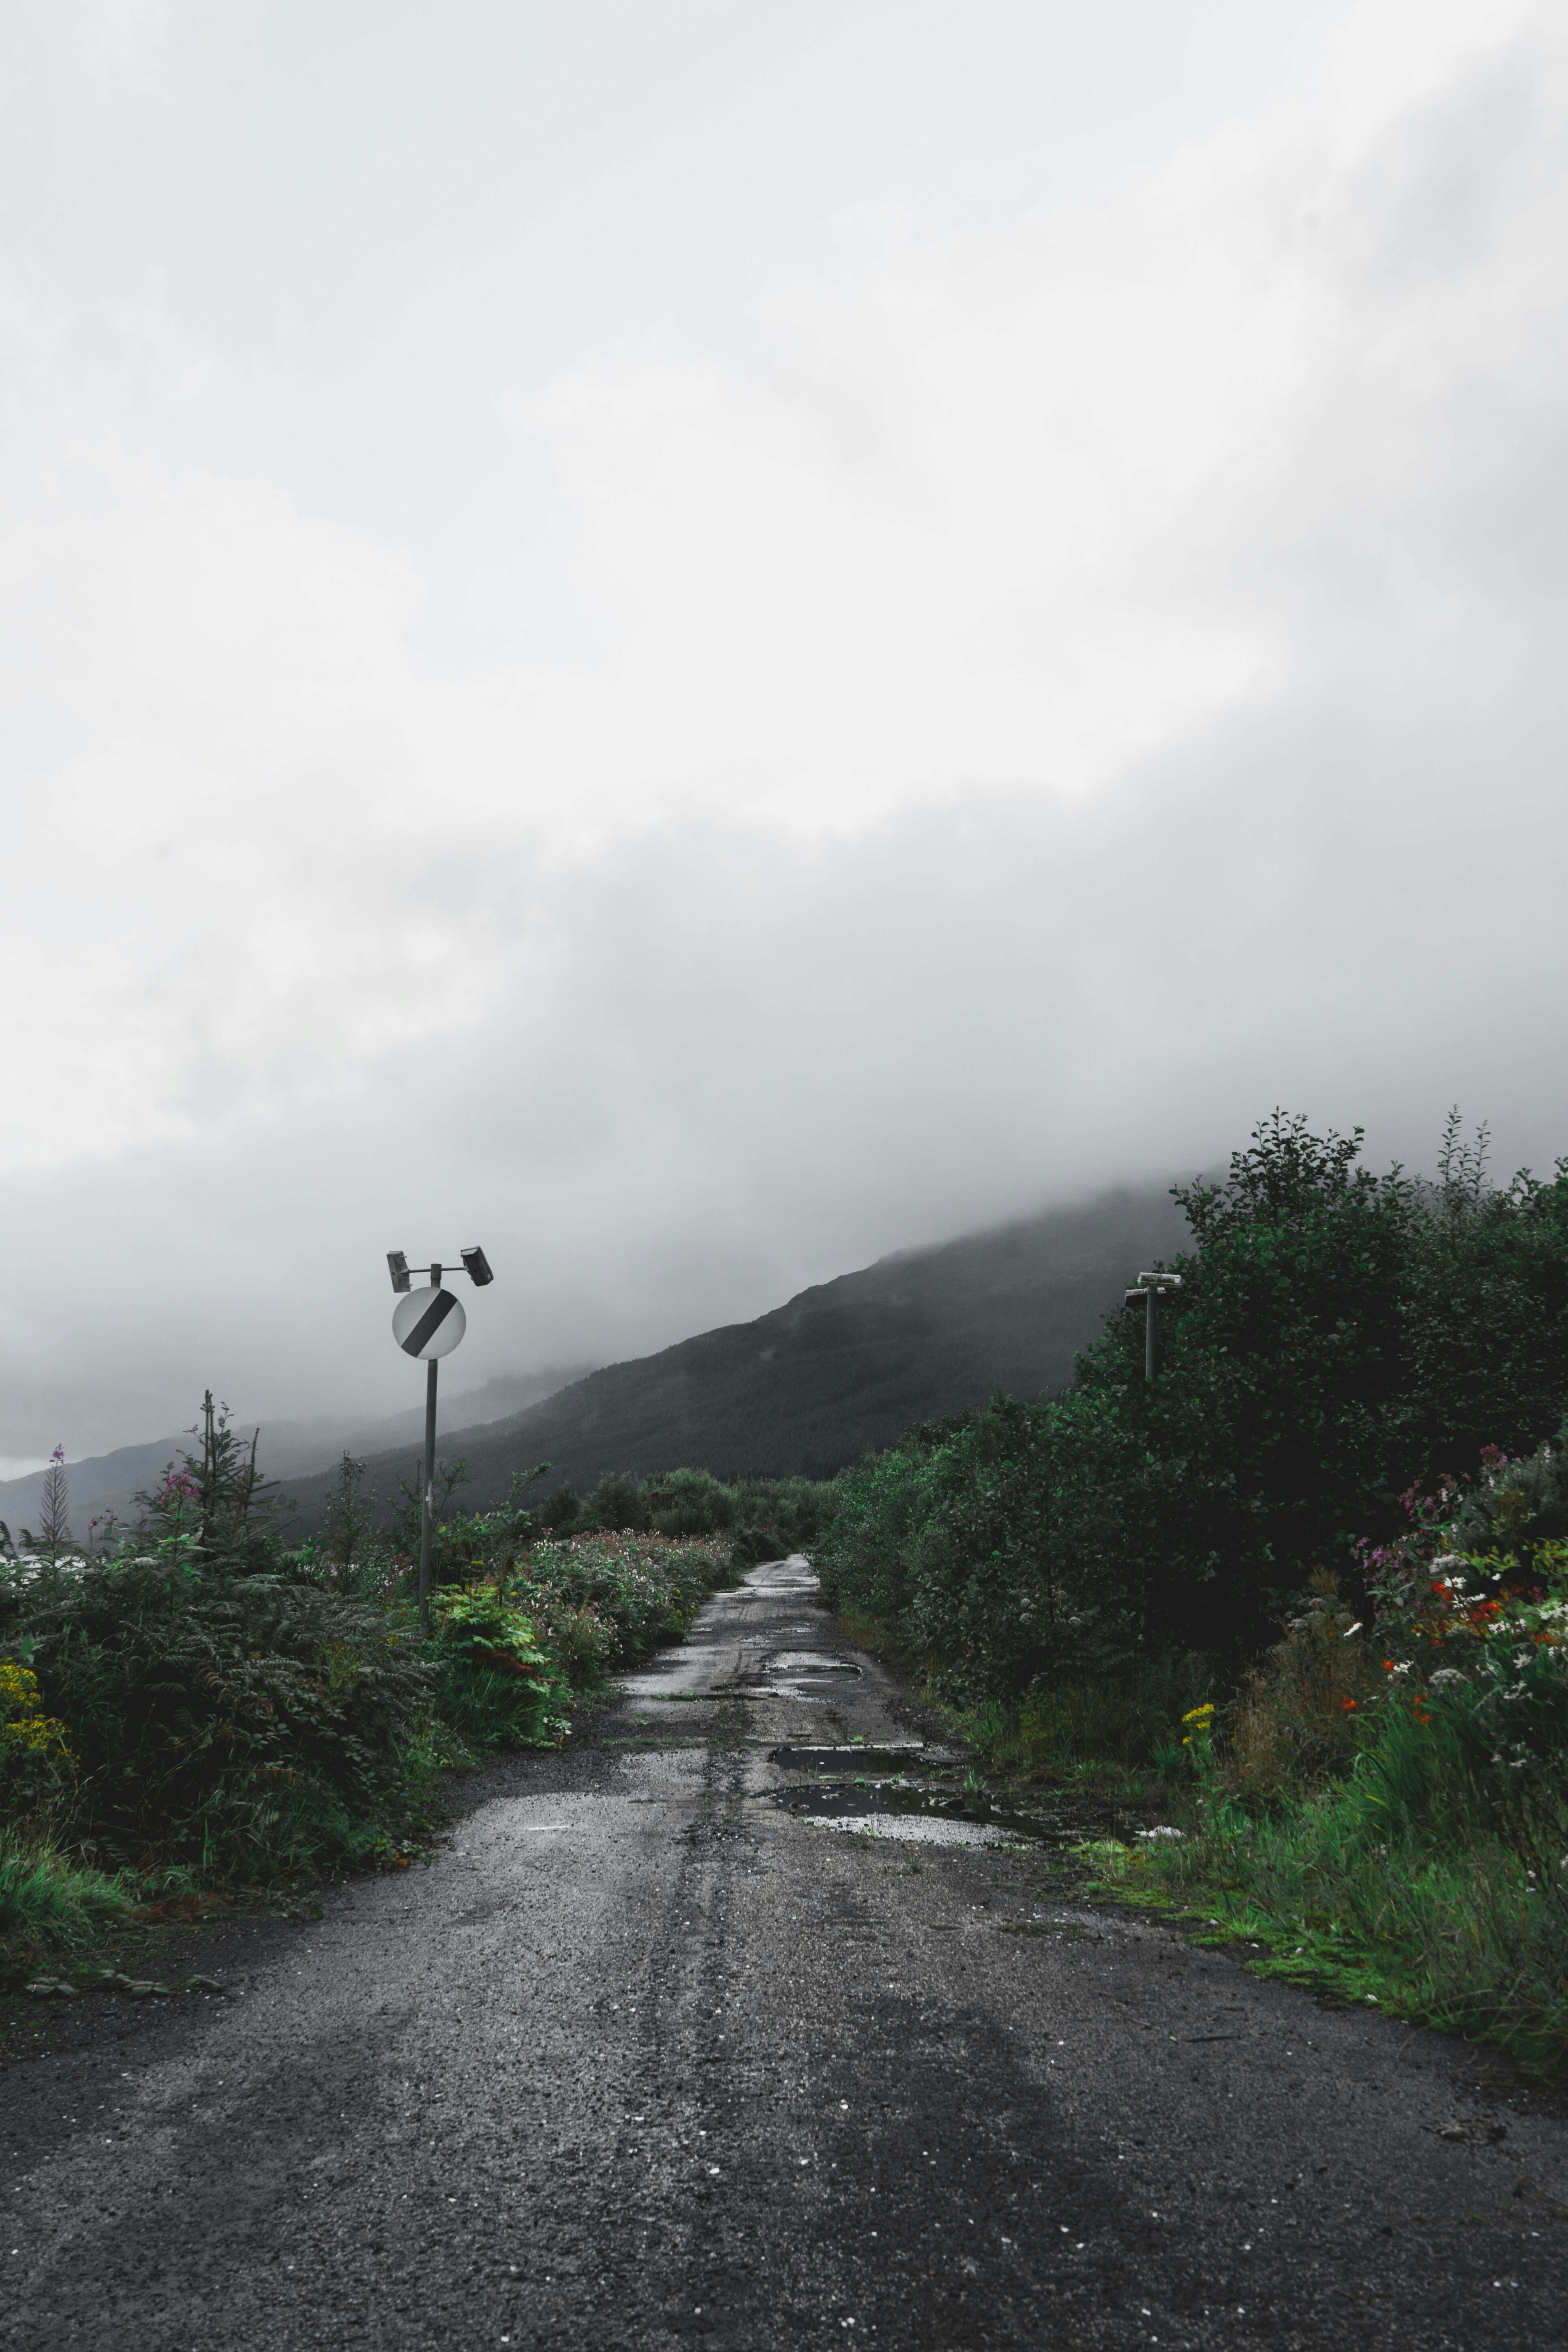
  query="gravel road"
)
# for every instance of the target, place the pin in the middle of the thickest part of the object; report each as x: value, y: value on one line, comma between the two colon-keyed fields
x: 650, y: 2056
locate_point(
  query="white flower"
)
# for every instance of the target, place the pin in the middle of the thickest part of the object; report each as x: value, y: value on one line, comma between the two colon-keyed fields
x: 1447, y: 1674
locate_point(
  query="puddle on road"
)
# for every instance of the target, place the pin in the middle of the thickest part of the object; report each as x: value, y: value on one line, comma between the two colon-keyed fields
x: 924, y: 1816
x: 809, y: 1664
x: 930, y: 1813
x: 910, y: 1829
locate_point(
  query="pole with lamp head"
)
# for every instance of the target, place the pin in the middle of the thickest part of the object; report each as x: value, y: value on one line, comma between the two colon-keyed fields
x: 1152, y: 1285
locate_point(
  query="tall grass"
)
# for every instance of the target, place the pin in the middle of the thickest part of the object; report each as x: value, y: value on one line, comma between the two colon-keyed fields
x: 50, y: 1907
x: 1411, y: 1870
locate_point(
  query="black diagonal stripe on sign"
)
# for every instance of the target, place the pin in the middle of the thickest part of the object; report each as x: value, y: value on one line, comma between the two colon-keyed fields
x: 430, y: 1322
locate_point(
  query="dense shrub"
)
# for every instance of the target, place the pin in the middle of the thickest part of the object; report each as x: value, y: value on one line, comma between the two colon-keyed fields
x: 1337, y: 1335
x: 238, y: 1722
x: 498, y: 1683
x: 635, y: 1590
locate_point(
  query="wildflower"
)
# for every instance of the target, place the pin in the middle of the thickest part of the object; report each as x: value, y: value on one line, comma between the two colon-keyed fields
x: 1349, y: 1706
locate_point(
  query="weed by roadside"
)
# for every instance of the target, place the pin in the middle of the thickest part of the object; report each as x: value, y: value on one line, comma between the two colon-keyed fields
x: 50, y: 1907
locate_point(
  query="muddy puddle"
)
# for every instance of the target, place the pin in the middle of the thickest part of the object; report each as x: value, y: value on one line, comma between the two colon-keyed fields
x: 795, y: 1665
x: 932, y: 1812
x: 915, y: 1813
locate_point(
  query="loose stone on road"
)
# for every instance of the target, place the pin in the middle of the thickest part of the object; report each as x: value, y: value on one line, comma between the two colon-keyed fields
x: 688, y: 2039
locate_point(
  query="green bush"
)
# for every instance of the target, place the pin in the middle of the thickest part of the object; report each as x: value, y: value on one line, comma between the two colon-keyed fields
x: 1304, y: 1383
x: 635, y: 1590
x: 38, y: 1765
x: 240, y: 1722
x: 1392, y: 1796
x: 495, y: 1680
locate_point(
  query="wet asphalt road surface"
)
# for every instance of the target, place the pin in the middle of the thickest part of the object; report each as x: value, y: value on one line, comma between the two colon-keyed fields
x: 649, y: 2057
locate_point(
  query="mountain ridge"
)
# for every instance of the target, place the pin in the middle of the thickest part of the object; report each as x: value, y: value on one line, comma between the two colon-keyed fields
x: 842, y: 1368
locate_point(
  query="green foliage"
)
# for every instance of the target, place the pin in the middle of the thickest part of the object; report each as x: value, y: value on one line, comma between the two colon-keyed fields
x: 1337, y: 1335
x: 212, y: 1511
x: 409, y: 1508
x: 628, y: 1593
x: 495, y: 1683
x: 1299, y: 1716
x: 50, y: 1905
x: 1423, y: 1869
x: 38, y: 1767
x: 764, y: 1518
x: 1116, y: 1731
x: 688, y: 1503
x: 248, y: 1724
x: 1387, y: 1803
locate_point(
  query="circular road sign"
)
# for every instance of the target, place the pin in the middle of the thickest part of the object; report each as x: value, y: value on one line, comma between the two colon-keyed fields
x: 428, y: 1323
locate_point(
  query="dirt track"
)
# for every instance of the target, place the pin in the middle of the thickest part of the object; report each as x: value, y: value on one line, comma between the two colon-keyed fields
x: 649, y: 2058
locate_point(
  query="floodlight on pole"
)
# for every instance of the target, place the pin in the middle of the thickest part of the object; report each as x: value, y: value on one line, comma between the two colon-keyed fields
x: 1153, y: 1286
x: 427, y: 1325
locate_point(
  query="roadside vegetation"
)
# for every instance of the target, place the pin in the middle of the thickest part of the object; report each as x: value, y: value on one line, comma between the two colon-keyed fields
x: 193, y: 1705
x: 1307, y: 1594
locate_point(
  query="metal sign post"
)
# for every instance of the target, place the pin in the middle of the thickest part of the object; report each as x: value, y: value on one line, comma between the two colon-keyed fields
x: 1154, y: 1284
x: 427, y: 1325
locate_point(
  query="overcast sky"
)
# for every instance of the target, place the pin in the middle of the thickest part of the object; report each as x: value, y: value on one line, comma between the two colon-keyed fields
x: 700, y: 641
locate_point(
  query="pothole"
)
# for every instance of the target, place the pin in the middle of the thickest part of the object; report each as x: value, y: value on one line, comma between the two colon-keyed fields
x: 808, y: 1664
x: 911, y: 1829
x: 899, y: 1809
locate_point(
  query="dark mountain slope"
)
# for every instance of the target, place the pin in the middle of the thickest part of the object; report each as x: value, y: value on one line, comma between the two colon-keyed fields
x: 845, y: 1366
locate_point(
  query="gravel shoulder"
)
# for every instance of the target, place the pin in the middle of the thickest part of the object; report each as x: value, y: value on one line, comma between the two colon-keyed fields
x: 649, y: 2056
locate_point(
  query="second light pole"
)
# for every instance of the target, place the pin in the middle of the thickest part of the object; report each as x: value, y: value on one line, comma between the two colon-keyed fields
x: 1152, y: 1285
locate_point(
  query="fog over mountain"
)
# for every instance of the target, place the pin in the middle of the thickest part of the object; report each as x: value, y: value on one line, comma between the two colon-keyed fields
x: 702, y: 641
x: 843, y: 1368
